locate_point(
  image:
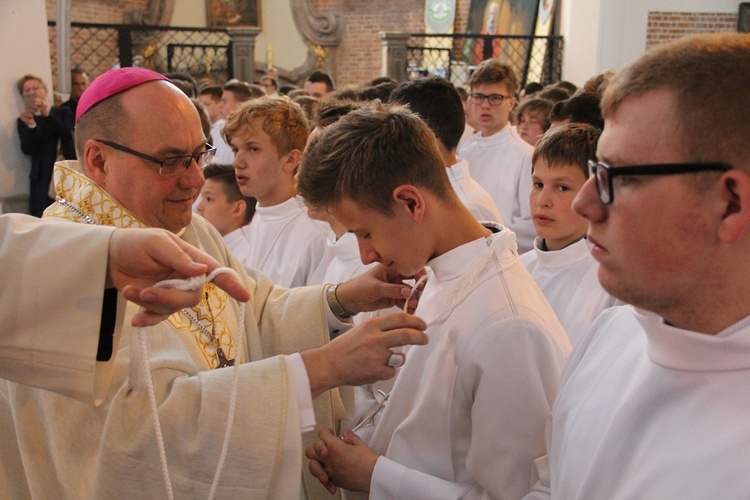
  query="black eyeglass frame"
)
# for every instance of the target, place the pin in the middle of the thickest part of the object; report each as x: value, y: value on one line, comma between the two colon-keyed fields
x: 604, y: 185
x: 489, y: 98
x: 207, y: 155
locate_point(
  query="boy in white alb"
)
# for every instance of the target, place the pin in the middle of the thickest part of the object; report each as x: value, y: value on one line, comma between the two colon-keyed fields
x: 561, y: 262
x: 223, y: 205
x: 210, y: 97
x: 499, y: 160
x: 438, y: 103
x: 467, y: 412
x: 268, y: 136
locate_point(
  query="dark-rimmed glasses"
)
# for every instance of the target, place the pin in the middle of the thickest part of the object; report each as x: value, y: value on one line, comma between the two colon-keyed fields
x: 173, y: 164
x: 603, y: 173
x: 494, y: 99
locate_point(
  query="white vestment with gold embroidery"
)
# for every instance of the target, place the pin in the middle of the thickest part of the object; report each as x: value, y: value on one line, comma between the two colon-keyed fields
x: 56, y: 447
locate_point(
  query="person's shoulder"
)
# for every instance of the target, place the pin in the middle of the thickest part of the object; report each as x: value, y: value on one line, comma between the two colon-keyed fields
x: 528, y: 259
x: 612, y: 329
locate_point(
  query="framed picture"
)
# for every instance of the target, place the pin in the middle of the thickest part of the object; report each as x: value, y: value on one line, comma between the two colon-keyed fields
x: 233, y: 13
x: 743, y: 18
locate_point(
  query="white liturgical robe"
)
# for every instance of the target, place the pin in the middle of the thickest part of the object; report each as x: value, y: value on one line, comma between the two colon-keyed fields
x: 238, y: 243
x: 475, y: 197
x: 568, y: 278
x: 288, y: 246
x: 647, y: 410
x: 43, y: 301
x: 467, y: 413
x: 345, y: 263
x: 501, y: 164
x: 57, y: 447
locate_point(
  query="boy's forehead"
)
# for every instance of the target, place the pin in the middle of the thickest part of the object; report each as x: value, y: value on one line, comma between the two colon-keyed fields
x: 491, y: 87
x: 556, y: 169
x: 251, y: 130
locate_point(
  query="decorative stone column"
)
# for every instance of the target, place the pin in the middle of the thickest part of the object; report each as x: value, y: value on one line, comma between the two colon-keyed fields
x: 394, y: 55
x: 322, y: 32
x: 243, y: 52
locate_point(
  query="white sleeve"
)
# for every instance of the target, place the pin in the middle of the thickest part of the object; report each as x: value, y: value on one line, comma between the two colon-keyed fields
x: 510, y: 370
x: 53, y: 276
x: 296, y: 364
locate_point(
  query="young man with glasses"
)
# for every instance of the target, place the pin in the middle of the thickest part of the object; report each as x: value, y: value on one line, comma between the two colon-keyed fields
x: 142, y: 148
x: 653, y: 402
x: 499, y: 160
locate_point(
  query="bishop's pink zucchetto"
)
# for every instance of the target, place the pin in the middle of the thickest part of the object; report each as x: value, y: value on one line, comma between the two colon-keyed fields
x: 113, y: 82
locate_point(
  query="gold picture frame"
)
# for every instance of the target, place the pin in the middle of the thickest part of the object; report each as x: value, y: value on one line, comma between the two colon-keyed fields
x: 233, y: 13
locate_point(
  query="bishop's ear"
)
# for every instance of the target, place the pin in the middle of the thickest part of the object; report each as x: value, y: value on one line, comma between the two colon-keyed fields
x: 735, y: 198
x: 94, y: 161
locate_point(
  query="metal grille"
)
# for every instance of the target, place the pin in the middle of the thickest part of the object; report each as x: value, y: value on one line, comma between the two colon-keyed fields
x: 456, y: 56
x: 95, y: 48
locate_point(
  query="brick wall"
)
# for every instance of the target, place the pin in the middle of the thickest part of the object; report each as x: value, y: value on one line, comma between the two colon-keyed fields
x: 666, y: 26
x: 360, y: 52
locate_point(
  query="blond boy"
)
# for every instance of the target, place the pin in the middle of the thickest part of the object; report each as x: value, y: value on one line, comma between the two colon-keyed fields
x: 268, y: 136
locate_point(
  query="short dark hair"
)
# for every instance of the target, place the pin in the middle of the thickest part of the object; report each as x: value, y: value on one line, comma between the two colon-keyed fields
x: 382, y: 79
x: 571, y: 144
x: 380, y: 91
x: 243, y: 91
x: 532, y: 88
x: 493, y: 71
x: 581, y: 108
x: 553, y: 94
x: 331, y: 110
x: 225, y: 175
x: 367, y: 154
x: 213, y: 91
x: 318, y: 76
x: 567, y: 86
x: 542, y: 106
x: 438, y: 103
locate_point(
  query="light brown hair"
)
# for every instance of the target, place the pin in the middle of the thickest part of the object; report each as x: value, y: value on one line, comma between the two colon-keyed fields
x: 367, y: 154
x: 709, y: 75
x: 571, y: 144
x: 283, y: 120
x: 493, y: 71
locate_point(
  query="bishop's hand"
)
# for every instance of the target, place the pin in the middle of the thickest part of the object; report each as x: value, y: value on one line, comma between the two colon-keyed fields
x: 139, y: 258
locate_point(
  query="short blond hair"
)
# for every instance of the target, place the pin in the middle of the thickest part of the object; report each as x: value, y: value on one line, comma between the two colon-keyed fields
x: 283, y: 120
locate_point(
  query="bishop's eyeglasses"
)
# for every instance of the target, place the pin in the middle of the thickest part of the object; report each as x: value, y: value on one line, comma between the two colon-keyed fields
x: 603, y: 173
x: 172, y: 165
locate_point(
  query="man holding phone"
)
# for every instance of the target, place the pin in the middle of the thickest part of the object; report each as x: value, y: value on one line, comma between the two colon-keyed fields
x: 42, y: 128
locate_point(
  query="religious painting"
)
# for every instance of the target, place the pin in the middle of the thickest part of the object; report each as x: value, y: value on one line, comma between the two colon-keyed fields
x: 545, y: 18
x: 232, y: 13
x: 501, y: 17
x: 539, y: 68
